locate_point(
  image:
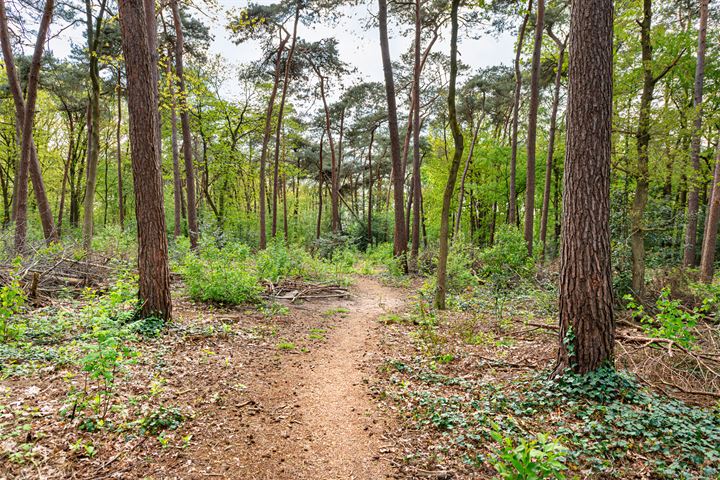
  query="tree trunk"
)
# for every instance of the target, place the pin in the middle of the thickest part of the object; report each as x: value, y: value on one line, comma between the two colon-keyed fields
x: 185, y: 125
x: 46, y: 217
x: 281, y: 108
x: 416, y: 183
x: 642, y: 185
x: 93, y: 151
x: 693, y: 195
x: 468, y: 160
x: 370, y: 189
x: 177, y: 176
x: 118, y: 140
x: 441, y: 291
x: 399, y: 241
x: 321, y: 174
x: 551, y: 145
x: 266, y: 141
x: 334, y: 173
x: 153, y: 269
x: 707, y: 263
x: 512, y: 195
x: 26, y: 149
x: 587, y: 328
x: 532, y: 128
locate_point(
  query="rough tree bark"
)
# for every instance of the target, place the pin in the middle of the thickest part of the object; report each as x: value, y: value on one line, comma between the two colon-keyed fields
x: 399, y: 240
x: 693, y: 201
x: 441, y: 291
x: 532, y: 127
x: 153, y: 269
x: 587, y: 327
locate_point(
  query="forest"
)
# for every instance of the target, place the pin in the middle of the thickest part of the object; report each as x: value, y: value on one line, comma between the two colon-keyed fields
x: 328, y: 239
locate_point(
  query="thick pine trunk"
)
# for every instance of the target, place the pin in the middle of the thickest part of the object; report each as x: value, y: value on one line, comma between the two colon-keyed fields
x: 441, y: 291
x: 587, y: 327
x: 153, y: 269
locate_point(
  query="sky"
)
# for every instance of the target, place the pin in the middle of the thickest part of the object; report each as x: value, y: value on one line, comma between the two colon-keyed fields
x: 358, y: 47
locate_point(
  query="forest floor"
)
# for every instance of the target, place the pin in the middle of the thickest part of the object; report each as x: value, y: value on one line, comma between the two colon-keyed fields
x: 374, y: 385
x: 246, y: 395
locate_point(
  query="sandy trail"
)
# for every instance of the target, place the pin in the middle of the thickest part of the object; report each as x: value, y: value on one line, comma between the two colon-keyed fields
x: 314, y: 417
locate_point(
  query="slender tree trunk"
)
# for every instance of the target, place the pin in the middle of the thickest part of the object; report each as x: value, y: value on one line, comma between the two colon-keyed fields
x: 321, y: 174
x: 551, y: 145
x: 266, y: 141
x: 416, y: 183
x: 468, y: 160
x: 399, y: 241
x: 441, y: 291
x: 693, y: 195
x: 334, y: 173
x: 93, y: 151
x: 118, y: 140
x: 177, y: 176
x: 281, y: 108
x: 532, y: 128
x: 642, y: 185
x: 512, y: 195
x: 46, y: 217
x: 370, y: 189
x: 185, y: 125
x: 28, y: 118
x: 707, y: 262
x: 153, y: 269
x: 587, y: 327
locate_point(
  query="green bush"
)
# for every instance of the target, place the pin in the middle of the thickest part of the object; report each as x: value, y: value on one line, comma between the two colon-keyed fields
x: 218, y: 280
x: 672, y: 321
x: 507, y: 261
x: 532, y: 459
x: 12, y: 299
x: 279, y: 261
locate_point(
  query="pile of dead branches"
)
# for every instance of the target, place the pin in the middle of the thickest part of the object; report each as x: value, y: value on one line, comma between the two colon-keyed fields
x: 294, y: 290
x: 44, y: 273
x: 692, y: 373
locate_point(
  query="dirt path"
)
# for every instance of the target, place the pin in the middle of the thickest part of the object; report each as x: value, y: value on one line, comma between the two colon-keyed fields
x: 313, y: 417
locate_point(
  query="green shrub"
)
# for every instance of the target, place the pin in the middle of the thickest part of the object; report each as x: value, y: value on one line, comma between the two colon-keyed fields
x: 12, y: 299
x: 220, y: 281
x: 507, y: 261
x: 279, y: 261
x: 672, y: 321
x: 532, y: 459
